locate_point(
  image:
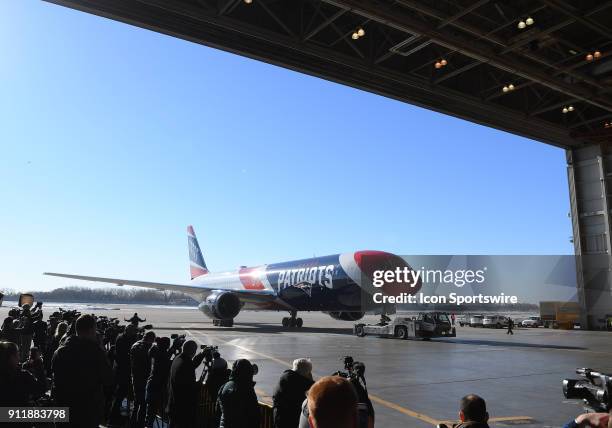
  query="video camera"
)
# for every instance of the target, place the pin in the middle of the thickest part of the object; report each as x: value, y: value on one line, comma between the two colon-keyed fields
x: 354, y: 369
x: 594, y: 388
x: 208, y: 351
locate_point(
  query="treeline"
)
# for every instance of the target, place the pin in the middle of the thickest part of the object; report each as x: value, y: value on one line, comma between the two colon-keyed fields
x: 107, y: 295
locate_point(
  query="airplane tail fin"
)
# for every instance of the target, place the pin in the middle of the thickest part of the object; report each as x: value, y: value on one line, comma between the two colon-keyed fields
x: 197, y: 266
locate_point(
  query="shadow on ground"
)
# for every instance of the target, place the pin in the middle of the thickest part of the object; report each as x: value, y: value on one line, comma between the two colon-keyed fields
x: 262, y: 329
x: 508, y: 344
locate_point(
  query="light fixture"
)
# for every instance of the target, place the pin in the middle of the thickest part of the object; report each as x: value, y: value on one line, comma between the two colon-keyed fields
x: 597, y: 54
x: 529, y: 21
x: 248, y: 1
x: 438, y: 64
x: 355, y: 36
x: 505, y: 89
x: 361, y: 32
x: 565, y: 110
x: 570, y: 108
x: 443, y: 62
x: 589, y: 57
x: 521, y: 25
x: 607, y: 125
x: 511, y: 87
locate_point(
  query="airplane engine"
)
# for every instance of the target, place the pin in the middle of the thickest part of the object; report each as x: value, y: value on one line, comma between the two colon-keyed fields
x: 222, y: 305
x: 346, y: 316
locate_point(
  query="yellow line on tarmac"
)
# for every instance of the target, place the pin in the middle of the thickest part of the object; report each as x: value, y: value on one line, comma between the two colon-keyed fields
x: 499, y: 419
x: 374, y: 398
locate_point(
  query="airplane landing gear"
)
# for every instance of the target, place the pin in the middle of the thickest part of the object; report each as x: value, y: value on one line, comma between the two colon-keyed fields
x: 292, y: 321
x: 223, y: 323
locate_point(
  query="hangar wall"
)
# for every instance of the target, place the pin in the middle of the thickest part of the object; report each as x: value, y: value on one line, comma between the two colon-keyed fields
x: 590, y: 185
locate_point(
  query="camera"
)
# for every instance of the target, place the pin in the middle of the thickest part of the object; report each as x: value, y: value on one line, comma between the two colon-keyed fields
x: 354, y: 369
x: 594, y: 389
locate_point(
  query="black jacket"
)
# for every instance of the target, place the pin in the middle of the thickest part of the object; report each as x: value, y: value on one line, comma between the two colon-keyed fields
x: 288, y: 396
x: 18, y: 388
x: 139, y: 358
x: 182, y: 386
x: 123, y: 344
x: 80, y: 372
x: 237, y: 405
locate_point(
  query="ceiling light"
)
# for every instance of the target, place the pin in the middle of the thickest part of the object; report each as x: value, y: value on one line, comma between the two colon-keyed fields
x: 529, y: 21
x: 589, y: 57
x: 355, y: 36
x: 511, y: 87
x: 361, y: 32
x: 248, y: 1
x: 521, y: 25
x: 597, y: 54
x: 443, y: 62
x: 505, y: 89
x: 438, y: 64
x: 565, y: 110
x: 570, y: 108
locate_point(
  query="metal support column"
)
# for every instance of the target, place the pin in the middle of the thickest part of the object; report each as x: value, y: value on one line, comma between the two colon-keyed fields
x: 589, y: 175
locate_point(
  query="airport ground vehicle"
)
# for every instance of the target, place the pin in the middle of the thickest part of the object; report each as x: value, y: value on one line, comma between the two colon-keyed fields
x: 533, y: 322
x: 425, y: 326
x: 476, y: 320
x: 564, y: 315
x: 494, y: 321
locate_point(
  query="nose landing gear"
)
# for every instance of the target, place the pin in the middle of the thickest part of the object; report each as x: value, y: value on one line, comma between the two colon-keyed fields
x: 292, y: 321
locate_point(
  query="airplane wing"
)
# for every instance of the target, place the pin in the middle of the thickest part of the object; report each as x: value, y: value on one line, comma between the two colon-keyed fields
x: 258, y: 297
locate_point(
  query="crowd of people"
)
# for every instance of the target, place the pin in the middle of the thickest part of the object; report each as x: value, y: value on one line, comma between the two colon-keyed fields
x: 124, y: 375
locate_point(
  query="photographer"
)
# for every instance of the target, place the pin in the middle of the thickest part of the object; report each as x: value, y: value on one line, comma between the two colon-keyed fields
x: 595, y: 420
x: 237, y: 403
x: 141, y: 367
x: 290, y: 392
x: 332, y: 403
x: 160, y: 356
x: 473, y: 413
x: 183, y: 388
x: 8, y: 332
x: 17, y: 386
x: 36, y: 366
x: 25, y: 332
x: 39, y: 328
x: 218, y: 375
x: 122, y: 368
x: 80, y: 372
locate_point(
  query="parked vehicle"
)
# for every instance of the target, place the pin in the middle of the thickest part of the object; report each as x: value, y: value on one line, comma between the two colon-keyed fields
x: 533, y: 322
x: 495, y: 321
x: 476, y: 320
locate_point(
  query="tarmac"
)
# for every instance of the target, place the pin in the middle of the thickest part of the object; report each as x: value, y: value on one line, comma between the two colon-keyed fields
x: 411, y: 383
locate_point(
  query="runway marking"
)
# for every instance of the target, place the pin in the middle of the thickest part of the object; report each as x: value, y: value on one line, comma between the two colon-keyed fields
x: 500, y: 419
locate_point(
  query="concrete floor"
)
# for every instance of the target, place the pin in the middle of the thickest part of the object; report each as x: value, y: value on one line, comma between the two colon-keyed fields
x: 411, y: 383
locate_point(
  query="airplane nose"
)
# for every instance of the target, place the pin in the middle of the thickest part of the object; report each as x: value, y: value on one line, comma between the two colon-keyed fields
x: 376, y: 267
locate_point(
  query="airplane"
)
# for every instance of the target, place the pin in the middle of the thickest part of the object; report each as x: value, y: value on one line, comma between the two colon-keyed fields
x: 339, y: 285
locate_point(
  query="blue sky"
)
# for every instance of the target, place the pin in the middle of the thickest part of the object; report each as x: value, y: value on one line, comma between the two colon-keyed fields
x: 113, y: 139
